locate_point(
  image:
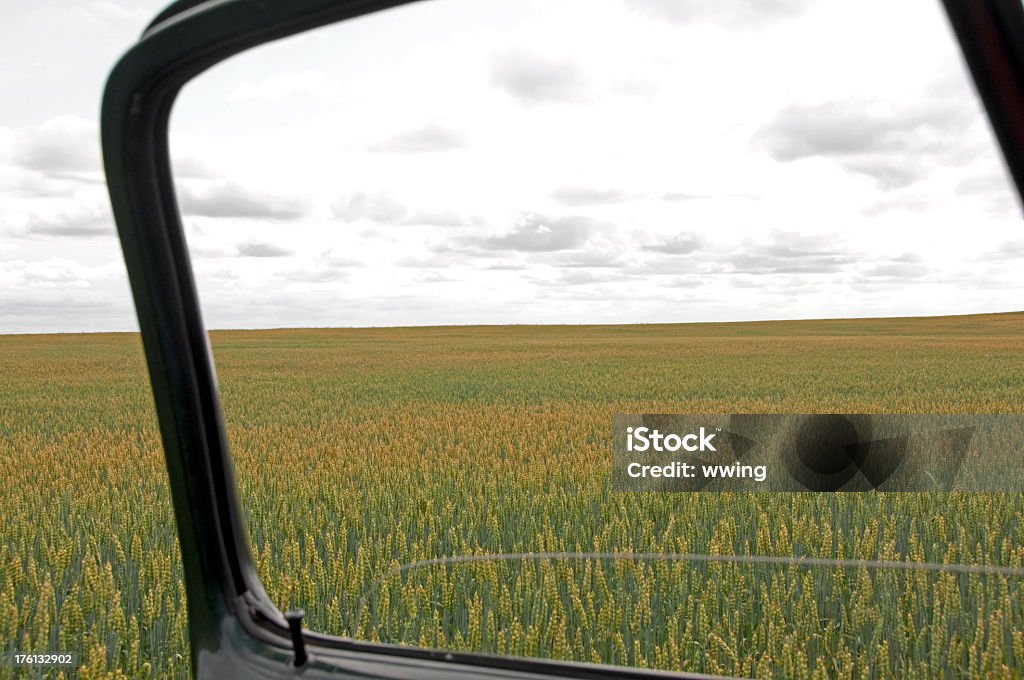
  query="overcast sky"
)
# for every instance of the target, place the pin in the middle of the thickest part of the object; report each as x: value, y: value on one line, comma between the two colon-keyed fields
x: 548, y: 161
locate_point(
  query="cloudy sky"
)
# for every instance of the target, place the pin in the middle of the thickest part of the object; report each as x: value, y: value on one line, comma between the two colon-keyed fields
x: 547, y: 161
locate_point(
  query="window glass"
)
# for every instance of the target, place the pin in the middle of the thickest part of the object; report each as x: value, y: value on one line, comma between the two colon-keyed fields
x: 442, y: 245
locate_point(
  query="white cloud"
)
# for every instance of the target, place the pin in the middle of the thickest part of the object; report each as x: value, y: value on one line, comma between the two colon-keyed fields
x: 60, y: 146
x: 261, y: 249
x: 226, y: 199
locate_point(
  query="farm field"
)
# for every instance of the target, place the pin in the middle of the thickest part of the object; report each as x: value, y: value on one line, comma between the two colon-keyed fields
x: 360, y: 450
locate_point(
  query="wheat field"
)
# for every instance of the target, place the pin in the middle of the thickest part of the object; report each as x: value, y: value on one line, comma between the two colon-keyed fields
x: 360, y: 450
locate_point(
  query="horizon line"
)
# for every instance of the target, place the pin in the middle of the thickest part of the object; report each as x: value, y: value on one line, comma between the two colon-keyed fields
x: 542, y: 325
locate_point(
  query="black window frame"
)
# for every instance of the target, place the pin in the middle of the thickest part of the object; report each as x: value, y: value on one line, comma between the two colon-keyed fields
x: 234, y: 629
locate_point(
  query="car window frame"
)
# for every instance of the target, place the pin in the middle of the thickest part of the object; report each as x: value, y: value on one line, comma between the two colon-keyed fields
x: 234, y: 628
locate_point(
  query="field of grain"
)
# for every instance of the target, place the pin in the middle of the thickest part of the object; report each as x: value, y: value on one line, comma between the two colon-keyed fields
x: 359, y: 450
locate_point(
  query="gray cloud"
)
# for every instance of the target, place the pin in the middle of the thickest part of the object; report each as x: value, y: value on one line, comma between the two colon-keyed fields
x: 433, y: 277
x: 81, y: 221
x: 732, y: 13
x: 855, y: 127
x: 894, y: 274
x: 444, y: 218
x: 896, y: 270
x: 232, y: 200
x: 58, y: 307
x: 54, y: 274
x: 534, y: 78
x: 506, y: 266
x: 61, y: 312
x: 378, y: 207
x: 259, y: 249
x: 792, y: 253
x: 577, y: 195
x: 888, y: 172
x: 75, y: 229
x: 329, y: 267
x: 32, y: 184
x: 60, y: 147
x: 1008, y: 250
x: 534, y: 233
x: 60, y: 294
x: 592, y: 259
x: 767, y: 264
x: 870, y: 138
x: 430, y: 137
x: 680, y: 244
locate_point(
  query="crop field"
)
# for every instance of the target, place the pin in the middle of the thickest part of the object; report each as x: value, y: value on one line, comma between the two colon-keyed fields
x: 360, y: 450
